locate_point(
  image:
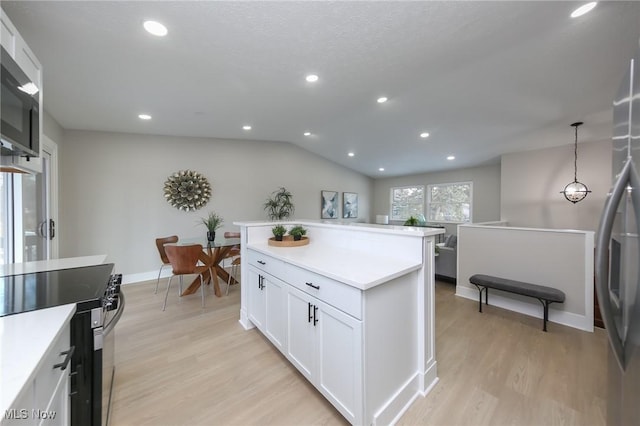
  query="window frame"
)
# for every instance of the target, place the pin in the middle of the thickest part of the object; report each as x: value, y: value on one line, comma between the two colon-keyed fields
x: 428, y: 201
x: 392, y: 189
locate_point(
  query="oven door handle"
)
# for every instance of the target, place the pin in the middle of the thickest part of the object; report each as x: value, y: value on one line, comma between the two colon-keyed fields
x: 109, y: 327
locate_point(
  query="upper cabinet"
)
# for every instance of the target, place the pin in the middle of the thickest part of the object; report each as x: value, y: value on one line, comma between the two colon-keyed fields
x: 18, y: 49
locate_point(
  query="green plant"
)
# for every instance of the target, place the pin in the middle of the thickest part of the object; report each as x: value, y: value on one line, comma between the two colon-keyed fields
x: 297, y: 232
x: 280, y: 205
x: 412, y: 221
x: 278, y: 231
x: 213, y: 221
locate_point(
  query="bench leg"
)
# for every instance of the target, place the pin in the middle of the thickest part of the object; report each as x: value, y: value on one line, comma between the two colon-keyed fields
x: 480, y: 290
x: 545, y: 306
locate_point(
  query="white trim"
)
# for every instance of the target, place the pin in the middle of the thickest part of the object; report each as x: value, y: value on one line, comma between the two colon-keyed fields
x: 533, y: 309
x: 51, y: 147
x: 557, y: 231
x: 145, y: 276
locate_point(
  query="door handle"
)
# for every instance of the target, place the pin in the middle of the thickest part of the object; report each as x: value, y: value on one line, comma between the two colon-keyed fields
x: 309, y: 311
x: 52, y: 229
x: 315, y: 315
x: 64, y: 364
x: 601, y: 265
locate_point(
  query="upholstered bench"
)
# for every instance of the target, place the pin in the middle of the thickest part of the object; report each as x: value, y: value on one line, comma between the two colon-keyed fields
x: 546, y: 295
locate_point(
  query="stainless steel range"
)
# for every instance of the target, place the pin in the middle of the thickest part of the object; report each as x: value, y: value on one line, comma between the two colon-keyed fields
x: 96, y: 292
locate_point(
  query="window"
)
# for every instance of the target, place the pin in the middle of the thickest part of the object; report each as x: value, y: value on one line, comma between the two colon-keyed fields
x: 450, y: 202
x: 407, y: 201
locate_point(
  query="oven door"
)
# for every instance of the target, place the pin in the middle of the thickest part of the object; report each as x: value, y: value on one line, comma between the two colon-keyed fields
x: 108, y: 359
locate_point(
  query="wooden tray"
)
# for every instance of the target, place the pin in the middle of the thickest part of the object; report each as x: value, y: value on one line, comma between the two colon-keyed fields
x: 287, y: 241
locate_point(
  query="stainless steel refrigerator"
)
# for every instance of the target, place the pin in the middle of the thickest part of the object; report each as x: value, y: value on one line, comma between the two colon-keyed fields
x: 618, y: 258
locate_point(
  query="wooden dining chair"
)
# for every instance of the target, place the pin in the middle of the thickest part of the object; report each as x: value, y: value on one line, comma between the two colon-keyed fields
x: 184, y: 261
x: 234, y: 255
x: 160, y: 242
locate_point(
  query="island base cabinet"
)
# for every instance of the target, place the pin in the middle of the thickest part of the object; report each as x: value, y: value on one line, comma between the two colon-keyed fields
x: 267, y: 300
x: 325, y: 344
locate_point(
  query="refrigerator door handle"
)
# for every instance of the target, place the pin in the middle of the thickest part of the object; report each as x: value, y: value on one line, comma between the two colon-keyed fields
x: 603, y: 236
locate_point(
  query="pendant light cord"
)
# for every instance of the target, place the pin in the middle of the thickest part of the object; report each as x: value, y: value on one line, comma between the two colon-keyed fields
x: 575, y: 158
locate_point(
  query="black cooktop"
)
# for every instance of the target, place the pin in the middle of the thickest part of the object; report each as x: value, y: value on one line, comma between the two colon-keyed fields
x: 38, y: 290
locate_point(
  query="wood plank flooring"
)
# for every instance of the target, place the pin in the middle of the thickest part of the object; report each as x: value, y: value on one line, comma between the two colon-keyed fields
x: 189, y: 366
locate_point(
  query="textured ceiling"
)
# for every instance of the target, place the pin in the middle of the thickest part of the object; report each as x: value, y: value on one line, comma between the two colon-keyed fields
x: 483, y: 78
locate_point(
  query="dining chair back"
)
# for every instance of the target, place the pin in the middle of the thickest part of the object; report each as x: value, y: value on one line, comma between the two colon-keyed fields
x: 160, y: 242
x: 184, y: 261
x: 234, y: 255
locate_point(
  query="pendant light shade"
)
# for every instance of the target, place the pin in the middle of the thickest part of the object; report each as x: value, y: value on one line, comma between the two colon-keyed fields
x: 575, y: 191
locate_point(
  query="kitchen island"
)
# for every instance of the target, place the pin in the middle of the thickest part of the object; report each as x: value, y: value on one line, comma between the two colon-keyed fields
x: 353, y: 310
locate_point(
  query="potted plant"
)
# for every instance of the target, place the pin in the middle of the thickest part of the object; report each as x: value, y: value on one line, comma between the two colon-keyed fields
x: 412, y: 221
x: 278, y: 232
x: 212, y: 222
x: 280, y: 205
x: 297, y: 232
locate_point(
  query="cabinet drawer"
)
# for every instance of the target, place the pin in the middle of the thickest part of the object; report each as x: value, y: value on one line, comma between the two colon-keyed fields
x: 267, y: 264
x: 337, y: 294
x: 48, y: 377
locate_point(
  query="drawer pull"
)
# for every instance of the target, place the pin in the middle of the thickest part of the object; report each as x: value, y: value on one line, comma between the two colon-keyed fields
x: 262, y: 262
x: 64, y: 364
x: 315, y: 315
x: 317, y: 287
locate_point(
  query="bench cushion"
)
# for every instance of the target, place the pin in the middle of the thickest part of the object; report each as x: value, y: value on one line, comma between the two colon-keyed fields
x: 519, y: 287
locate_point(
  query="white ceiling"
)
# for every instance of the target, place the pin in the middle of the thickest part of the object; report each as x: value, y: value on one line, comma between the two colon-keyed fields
x: 483, y: 78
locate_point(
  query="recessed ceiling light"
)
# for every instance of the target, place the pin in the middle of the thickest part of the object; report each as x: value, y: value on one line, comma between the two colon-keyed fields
x: 585, y: 8
x: 144, y: 116
x: 311, y: 78
x: 246, y: 127
x: 381, y: 169
x: 351, y: 154
x: 382, y: 99
x: 424, y: 135
x: 155, y: 28
x: 451, y: 157
x: 307, y: 133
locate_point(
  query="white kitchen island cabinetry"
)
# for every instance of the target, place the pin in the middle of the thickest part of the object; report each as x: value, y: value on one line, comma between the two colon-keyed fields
x: 34, y: 348
x: 353, y: 311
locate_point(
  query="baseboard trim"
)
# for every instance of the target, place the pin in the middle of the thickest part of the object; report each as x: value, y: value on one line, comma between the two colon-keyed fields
x: 581, y: 322
x: 400, y: 402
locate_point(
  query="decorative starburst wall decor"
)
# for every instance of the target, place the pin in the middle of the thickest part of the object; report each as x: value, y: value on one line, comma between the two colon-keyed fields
x: 187, y: 190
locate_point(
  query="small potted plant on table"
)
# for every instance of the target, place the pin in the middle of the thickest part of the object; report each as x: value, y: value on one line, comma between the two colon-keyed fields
x: 297, y: 232
x: 278, y: 232
x: 212, y: 222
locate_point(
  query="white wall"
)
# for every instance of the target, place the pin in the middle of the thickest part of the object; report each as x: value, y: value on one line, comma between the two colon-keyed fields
x: 111, y: 189
x: 532, y: 181
x: 486, y: 190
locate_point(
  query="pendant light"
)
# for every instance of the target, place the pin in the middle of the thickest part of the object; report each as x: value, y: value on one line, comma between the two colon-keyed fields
x: 575, y: 191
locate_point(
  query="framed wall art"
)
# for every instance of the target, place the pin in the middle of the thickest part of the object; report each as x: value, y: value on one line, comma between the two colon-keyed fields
x: 349, y: 205
x: 329, y: 204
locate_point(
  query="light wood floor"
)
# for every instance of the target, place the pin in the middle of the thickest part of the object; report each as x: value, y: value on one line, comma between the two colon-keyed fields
x: 188, y: 366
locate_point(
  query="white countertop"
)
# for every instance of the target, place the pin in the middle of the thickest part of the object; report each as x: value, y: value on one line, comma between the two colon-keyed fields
x: 51, y: 264
x: 371, y: 227
x: 347, y: 266
x: 24, y: 340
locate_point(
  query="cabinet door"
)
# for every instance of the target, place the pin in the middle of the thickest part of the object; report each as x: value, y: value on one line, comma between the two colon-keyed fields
x: 301, y: 332
x: 276, y: 311
x: 257, y: 299
x: 340, y: 365
x: 58, y: 411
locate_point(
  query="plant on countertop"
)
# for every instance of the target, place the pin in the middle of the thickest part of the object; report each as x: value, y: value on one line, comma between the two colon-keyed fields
x: 412, y: 221
x: 280, y: 205
x: 278, y: 232
x: 213, y: 222
x: 297, y: 232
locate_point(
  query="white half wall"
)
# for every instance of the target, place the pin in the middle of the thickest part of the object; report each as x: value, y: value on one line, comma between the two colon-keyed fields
x: 111, y: 190
x: 561, y: 259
